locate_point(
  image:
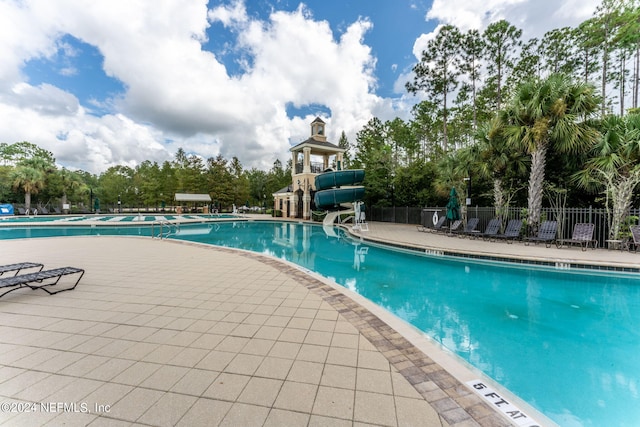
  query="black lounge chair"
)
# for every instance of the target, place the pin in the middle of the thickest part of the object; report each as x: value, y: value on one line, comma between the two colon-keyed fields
x: 18, y: 267
x: 40, y: 280
x: 436, y: 227
x: 512, y: 231
x: 453, y: 227
x: 582, y: 235
x: 470, y: 228
x: 439, y: 226
x: 546, y: 234
x: 635, y: 237
x: 492, y: 229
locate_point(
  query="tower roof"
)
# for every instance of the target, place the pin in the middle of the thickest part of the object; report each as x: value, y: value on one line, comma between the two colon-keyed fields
x: 318, y: 145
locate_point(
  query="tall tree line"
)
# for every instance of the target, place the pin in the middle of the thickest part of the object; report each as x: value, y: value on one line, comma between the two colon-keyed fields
x: 502, y: 110
x: 29, y: 176
x: 465, y: 77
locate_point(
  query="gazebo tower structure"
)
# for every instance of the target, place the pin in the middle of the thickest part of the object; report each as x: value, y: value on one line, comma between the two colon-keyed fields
x: 309, y: 158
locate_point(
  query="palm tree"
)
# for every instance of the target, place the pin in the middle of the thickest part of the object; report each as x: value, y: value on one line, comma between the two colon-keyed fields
x: 614, y: 167
x: 70, y: 183
x: 548, y: 114
x: 30, y: 180
x: 452, y: 169
x: 493, y: 158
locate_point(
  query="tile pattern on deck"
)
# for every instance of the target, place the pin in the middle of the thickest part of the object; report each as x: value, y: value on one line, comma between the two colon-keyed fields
x: 170, y: 333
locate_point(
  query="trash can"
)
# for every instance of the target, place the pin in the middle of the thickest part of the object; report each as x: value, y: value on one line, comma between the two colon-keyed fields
x: 205, y: 209
x: 179, y: 210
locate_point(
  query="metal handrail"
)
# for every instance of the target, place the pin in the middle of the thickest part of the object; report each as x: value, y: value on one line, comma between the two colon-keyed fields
x: 161, y: 224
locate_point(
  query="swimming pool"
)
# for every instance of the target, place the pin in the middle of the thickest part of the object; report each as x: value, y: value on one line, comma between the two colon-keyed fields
x: 566, y: 342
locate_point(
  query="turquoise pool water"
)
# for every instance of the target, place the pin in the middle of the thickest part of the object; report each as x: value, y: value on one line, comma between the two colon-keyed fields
x: 566, y: 342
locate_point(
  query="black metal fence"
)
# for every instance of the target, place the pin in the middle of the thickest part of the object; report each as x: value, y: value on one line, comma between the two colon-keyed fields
x: 566, y: 218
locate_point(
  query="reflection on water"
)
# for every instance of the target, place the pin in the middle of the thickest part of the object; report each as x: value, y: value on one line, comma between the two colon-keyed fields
x: 568, y: 343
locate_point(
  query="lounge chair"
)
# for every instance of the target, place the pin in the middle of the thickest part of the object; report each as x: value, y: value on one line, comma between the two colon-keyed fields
x: 492, y: 229
x: 439, y: 226
x: 546, y: 234
x: 470, y: 228
x: 512, y: 231
x: 635, y: 237
x: 453, y: 227
x: 40, y: 280
x: 22, y: 211
x: 16, y: 268
x: 436, y: 227
x: 582, y: 235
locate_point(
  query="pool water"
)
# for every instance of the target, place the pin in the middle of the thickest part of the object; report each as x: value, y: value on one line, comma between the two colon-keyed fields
x: 566, y: 342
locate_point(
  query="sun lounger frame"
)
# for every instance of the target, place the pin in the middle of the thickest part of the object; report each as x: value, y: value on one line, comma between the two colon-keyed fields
x: 491, y: 231
x: 18, y: 267
x: 512, y: 231
x: 453, y: 227
x: 582, y: 235
x: 470, y: 229
x: 438, y: 226
x: 41, y: 280
x: 546, y: 234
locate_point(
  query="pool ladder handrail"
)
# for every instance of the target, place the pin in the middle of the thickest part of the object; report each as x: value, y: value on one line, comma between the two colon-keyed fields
x: 161, y: 224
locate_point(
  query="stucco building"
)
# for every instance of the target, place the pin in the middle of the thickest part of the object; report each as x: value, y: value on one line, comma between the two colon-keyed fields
x: 309, y: 158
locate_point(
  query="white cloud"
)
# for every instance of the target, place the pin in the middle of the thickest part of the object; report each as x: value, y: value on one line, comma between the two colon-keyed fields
x: 178, y: 92
x: 467, y: 14
x: 22, y: 37
x: 421, y: 42
x: 229, y: 15
x: 45, y: 99
x: 83, y: 141
x: 534, y: 17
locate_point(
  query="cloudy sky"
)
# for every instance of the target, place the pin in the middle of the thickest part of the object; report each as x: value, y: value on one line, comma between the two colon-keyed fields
x: 115, y: 82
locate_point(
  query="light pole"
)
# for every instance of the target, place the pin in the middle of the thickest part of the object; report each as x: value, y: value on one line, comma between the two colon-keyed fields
x: 468, y: 179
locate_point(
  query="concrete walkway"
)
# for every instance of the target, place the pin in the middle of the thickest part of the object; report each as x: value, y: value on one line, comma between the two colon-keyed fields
x: 408, y: 235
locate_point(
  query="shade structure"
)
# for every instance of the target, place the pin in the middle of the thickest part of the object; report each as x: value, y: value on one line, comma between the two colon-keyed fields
x: 186, y: 197
x: 453, y: 206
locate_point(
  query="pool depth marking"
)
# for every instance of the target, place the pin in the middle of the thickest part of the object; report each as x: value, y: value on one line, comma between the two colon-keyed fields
x: 515, y: 414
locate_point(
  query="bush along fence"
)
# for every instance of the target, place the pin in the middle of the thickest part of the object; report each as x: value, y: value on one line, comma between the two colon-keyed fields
x: 566, y: 218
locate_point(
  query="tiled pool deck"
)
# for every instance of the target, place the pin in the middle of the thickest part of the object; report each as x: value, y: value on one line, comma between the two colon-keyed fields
x: 170, y: 333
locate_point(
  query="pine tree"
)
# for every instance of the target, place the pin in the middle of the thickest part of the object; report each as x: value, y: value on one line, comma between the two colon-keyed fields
x: 436, y: 75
